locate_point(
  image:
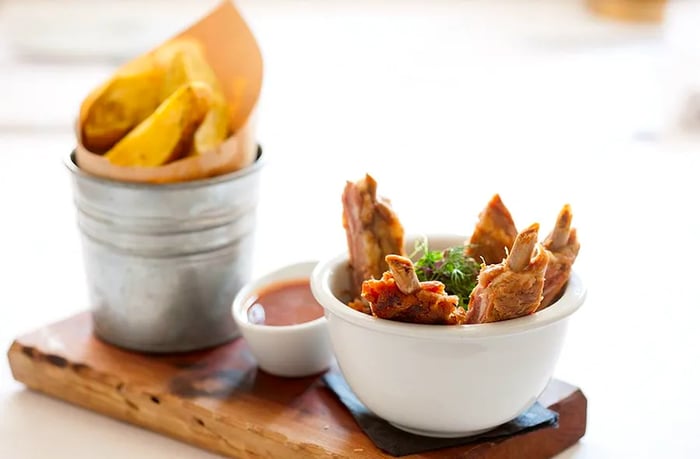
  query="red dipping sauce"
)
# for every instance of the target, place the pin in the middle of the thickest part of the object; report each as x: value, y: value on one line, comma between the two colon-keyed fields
x: 286, y: 302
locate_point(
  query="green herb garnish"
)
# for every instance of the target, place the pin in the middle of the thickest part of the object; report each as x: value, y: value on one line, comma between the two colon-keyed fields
x: 451, y: 266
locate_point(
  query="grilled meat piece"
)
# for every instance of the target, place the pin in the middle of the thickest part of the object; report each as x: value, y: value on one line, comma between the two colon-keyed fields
x: 373, y: 231
x: 399, y: 296
x: 404, y: 273
x: 494, y: 234
x: 513, y: 287
x: 562, y: 247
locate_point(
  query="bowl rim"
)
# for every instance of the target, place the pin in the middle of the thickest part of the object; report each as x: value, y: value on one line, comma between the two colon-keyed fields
x: 321, y: 277
x: 238, y: 308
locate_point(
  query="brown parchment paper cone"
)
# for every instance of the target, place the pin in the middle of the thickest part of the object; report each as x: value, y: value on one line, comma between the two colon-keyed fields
x: 234, y: 55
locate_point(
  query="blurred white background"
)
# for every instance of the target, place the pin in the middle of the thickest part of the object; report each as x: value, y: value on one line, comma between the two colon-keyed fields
x: 446, y: 102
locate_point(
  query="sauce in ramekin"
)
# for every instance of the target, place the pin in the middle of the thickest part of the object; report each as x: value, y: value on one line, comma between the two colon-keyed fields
x: 286, y: 302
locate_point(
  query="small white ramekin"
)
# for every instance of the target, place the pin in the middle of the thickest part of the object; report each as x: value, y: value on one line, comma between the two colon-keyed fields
x: 287, y: 350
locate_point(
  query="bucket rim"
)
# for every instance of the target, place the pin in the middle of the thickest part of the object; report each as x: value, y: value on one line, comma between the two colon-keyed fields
x: 71, y: 165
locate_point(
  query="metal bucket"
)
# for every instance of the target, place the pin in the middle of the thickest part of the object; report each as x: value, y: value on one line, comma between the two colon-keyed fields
x: 164, y: 262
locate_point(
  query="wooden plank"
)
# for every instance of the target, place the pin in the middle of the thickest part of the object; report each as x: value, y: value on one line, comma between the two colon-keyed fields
x: 218, y: 400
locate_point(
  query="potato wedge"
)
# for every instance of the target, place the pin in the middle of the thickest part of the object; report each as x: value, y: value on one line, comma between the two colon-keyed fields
x: 116, y: 107
x: 213, y: 130
x: 187, y: 63
x: 168, y: 133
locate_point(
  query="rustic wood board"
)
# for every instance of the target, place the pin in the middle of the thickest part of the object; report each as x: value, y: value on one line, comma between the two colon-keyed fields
x: 218, y: 400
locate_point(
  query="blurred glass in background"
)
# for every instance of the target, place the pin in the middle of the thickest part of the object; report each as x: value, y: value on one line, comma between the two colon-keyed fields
x: 43, y: 42
x: 630, y: 10
x: 92, y: 30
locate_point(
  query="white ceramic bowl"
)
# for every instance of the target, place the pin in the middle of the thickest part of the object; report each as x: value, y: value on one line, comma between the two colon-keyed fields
x: 287, y: 350
x: 438, y: 380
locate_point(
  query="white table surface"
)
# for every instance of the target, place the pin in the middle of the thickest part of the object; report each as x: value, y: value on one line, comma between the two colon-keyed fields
x: 533, y: 100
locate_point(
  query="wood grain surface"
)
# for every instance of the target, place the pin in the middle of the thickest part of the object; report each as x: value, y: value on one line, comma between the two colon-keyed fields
x: 217, y: 399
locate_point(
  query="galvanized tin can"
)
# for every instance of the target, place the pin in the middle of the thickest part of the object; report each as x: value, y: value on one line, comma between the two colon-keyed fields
x: 164, y: 262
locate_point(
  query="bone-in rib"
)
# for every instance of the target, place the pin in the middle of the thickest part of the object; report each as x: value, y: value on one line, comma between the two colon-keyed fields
x: 372, y: 228
x: 494, y: 233
x: 562, y: 247
x: 512, y: 288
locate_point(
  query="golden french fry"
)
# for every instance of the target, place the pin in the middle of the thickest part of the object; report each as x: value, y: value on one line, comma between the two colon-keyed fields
x: 167, y: 134
x: 116, y: 107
